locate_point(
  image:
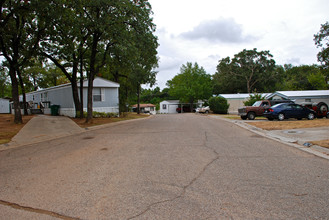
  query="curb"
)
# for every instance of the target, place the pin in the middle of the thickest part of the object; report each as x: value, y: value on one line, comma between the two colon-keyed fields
x: 314, y: 149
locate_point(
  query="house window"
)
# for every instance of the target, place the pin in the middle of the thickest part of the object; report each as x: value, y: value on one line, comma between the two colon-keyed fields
x: 44, y: 97
x: 98, y: 94
x: 164, y: 106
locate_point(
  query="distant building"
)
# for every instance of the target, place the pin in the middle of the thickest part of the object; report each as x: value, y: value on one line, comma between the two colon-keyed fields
x: 145, y: 108
x: 4, y: 106
x: 302, y: 96
x: 236, y: 100
x: 169, y: 106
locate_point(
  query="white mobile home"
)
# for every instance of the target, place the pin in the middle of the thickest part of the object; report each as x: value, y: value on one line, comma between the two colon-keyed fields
x: 4, y: 106
x: 105, y: 97
x: 302, y: 96
x: 169, y: 106
x: 145, y: 108
x: 236, y: 100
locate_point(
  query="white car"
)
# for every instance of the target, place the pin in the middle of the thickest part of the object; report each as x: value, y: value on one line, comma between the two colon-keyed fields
x: 205, y: 109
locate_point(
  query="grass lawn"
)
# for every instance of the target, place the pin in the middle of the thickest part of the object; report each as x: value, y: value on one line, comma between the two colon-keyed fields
x: 290, y: 124
x: 8, y: 129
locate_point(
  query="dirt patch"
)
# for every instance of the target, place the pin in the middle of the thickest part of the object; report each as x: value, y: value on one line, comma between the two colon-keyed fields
x: 290, y: 124
x: 8, y: 129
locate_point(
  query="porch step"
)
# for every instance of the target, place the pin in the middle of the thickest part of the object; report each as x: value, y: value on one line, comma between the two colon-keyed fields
x: 36, y: 111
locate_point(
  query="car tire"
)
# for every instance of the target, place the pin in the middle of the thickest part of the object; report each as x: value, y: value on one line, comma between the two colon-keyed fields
x: 251, y: 115
x: 322, y: 107
x: 310, y: 116
x: 281, y: 117
x: 270, y: 119
x: 244, y: 117
x: 207, y: 112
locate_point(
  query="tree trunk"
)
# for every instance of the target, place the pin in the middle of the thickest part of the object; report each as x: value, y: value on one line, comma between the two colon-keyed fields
x: 91, y: 77
x: 74, y: 85
x: 23, y: 91
x: 15, y: 96
x: 90, y: 100
x: 138, y: 98
x: 75, y: 93
x: 81, y: 88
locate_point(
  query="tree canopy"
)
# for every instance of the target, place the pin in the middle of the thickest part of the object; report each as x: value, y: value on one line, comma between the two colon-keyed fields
x: 322, y: 41
x: 191, y: 84
x: 248, y: 70
x: 83, y: 38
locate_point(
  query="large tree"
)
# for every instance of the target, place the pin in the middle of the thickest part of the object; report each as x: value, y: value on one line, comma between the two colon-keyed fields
x: 21, y: 28
x: 191, y: 84
x: 66, y: 44
x: 249, y: 67
x: 132, y: 54
x: 322, y: 41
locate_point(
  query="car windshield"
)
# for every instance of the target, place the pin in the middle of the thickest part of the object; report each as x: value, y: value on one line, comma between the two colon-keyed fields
x: 257, y: 104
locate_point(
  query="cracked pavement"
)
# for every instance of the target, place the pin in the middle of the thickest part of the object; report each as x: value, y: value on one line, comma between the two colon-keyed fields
x: 182, y: 166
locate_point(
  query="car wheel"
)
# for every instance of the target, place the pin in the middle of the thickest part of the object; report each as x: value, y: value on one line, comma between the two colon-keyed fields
x: 281, y: 117
x: 207, y: 112
x: 243, y: 117
x: 310, y: 116
x: 322, y: 107
x: 251, y: 115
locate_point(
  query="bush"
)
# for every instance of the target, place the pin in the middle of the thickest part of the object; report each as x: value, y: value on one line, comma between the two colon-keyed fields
x: 253, y: 98
x: 218, y: 105
x: 84, y: 114
x: 99, y: 114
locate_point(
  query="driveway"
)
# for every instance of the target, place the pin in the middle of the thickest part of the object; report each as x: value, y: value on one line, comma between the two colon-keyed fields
x: 180, y: 166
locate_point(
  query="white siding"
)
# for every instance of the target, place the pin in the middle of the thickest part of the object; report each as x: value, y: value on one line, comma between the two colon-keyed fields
x: 4, y: 106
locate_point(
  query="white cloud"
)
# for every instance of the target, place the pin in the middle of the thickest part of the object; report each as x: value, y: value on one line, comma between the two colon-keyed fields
x: 224, y: 30
x: 206, y: 31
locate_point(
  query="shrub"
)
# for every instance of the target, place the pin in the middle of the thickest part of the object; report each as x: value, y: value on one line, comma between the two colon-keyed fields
x: 253, y: 98
x: 84, y: 114
x: 218, y: 105
x: 99, y: 114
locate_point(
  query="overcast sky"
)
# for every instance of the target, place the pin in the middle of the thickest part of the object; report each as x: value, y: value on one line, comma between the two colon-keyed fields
x: 209, y: 30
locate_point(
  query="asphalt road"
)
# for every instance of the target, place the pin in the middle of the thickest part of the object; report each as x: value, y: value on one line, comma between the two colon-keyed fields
x: 182, y: 166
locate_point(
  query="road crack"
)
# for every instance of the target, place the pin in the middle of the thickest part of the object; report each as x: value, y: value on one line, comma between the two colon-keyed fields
x: 184, y: 188
x: 36, y: 210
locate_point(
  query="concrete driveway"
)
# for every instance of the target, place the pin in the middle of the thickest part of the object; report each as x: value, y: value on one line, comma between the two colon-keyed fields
x: 180, y: 166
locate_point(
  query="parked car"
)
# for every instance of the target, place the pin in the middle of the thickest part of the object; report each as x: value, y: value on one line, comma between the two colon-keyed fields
x: 204, y: 109
x: 288, y: 110
x: 258, y: 108
x: 185, y: 109
x: 321, y: 108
